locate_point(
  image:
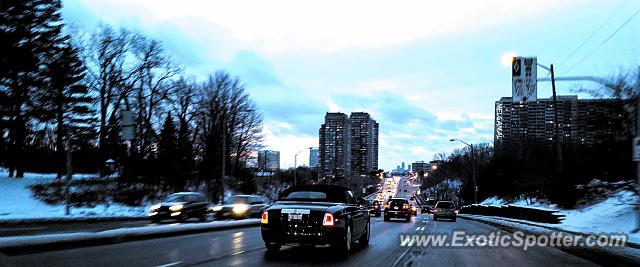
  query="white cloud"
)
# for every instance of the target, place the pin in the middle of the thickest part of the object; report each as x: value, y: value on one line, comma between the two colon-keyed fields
x: 449, y: 116
x: 283, y: 26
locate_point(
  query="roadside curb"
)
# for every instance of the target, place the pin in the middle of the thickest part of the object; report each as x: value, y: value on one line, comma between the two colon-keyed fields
x: 66, y: 220
x: 621, y: 256
x: 52, y: 242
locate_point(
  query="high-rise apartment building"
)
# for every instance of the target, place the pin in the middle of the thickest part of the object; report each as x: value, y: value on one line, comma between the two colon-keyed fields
x: 348, y: 145
x: 335, y: 146
x: 364, y: 143
x: 580, y: 121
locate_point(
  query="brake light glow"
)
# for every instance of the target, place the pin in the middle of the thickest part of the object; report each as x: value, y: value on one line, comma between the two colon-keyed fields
x: 386, y: 206
x: 265, y: 218
x: 414, y: 208
x: 327, y: 220
x: 405, y: 206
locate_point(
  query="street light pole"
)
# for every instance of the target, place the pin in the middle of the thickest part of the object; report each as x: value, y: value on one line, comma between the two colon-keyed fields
x: 295, y: 166
x: 473, y: 168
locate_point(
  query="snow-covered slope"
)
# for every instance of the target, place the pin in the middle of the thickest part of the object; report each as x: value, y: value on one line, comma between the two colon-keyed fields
x: 614, y: 212
x: 19, y: 203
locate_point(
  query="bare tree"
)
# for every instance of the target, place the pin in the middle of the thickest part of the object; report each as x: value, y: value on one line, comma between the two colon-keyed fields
x: 109, y: 75
x: 152, y: 86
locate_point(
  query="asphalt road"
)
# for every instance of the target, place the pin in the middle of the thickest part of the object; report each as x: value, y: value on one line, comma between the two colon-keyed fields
x: 244, y: 247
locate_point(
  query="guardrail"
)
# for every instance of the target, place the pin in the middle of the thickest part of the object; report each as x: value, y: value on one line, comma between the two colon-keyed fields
x: 514, y: 212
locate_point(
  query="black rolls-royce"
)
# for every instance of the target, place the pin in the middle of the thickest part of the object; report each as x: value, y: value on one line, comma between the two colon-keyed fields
x: 320, y: 215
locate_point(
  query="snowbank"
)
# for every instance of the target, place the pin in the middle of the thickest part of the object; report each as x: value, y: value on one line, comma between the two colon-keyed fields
x: 617, y: 213
x: 18, y: 201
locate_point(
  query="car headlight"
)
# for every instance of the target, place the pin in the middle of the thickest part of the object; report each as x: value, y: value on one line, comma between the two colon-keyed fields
x: 176, y: 207
x: 240, y: 208
x: 216, y: 208
x: 154, y: 207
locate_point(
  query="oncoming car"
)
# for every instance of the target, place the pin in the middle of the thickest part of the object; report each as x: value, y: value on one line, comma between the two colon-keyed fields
x: 318, y: 215
x: 181, y: 207
x: 241, y: 206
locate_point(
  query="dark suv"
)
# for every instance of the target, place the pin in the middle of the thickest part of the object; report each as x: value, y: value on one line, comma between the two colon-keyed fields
x: 181, y: 206
x: 397, y: 208
x: 375, y: 208
x: 444, y: 209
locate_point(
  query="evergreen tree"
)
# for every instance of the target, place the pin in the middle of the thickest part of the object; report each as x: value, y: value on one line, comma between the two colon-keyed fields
x: 67, y: 102
x: 28, y: 31
x: 167, y: 148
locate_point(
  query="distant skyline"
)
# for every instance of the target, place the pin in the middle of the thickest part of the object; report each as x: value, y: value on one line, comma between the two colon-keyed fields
x: 426, y: 71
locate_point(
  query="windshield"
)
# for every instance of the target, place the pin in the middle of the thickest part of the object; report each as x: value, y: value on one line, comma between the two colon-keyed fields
x: 178, y: 198
x: 444, y: 205
x: 237, y: 200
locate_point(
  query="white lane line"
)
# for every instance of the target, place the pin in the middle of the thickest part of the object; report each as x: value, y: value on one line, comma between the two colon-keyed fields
x: 170, y: 264
x: 239, y: 252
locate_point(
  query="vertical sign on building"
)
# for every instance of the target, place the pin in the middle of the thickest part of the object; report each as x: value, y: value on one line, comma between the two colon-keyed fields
x: 524, y: 79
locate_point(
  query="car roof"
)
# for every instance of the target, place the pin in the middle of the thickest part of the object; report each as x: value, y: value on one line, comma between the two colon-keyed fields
x: 322, y: 187
x: 397, y: 198
x: 187, y: 193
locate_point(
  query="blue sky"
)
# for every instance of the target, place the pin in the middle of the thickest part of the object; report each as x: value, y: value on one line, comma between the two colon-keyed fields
x: 427, y: 71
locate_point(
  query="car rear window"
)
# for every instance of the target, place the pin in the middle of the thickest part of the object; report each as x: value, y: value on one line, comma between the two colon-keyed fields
x: 306, y: 195
x: 398, y: 202
x: 444, y: 205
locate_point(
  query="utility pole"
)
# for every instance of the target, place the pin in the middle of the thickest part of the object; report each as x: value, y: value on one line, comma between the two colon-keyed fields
x: 636, y: 146
x: 67, y: 197
x: 556, y: 124
x: 224, y: 160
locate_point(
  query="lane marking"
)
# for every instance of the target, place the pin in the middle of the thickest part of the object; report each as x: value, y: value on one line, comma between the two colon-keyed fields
x: 170, y: 264
x: 237, y: 253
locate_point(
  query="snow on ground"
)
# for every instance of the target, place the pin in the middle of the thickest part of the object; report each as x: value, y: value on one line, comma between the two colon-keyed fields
x: 615, y: 214
x: 18, y: 201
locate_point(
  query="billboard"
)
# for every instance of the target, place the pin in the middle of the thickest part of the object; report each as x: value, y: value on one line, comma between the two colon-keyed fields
x: 524, y: 79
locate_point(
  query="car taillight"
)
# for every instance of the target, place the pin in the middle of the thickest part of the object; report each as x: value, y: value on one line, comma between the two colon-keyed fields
x: 405, y: 206
x: 437, y: 210
x: 386, y: 206
x: 376, y: 206
x: 413, y: 208
x: 327, y: 220
x: 265, y: 218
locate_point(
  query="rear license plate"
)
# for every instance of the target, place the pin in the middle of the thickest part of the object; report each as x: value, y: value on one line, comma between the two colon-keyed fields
x: 295, y: 217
